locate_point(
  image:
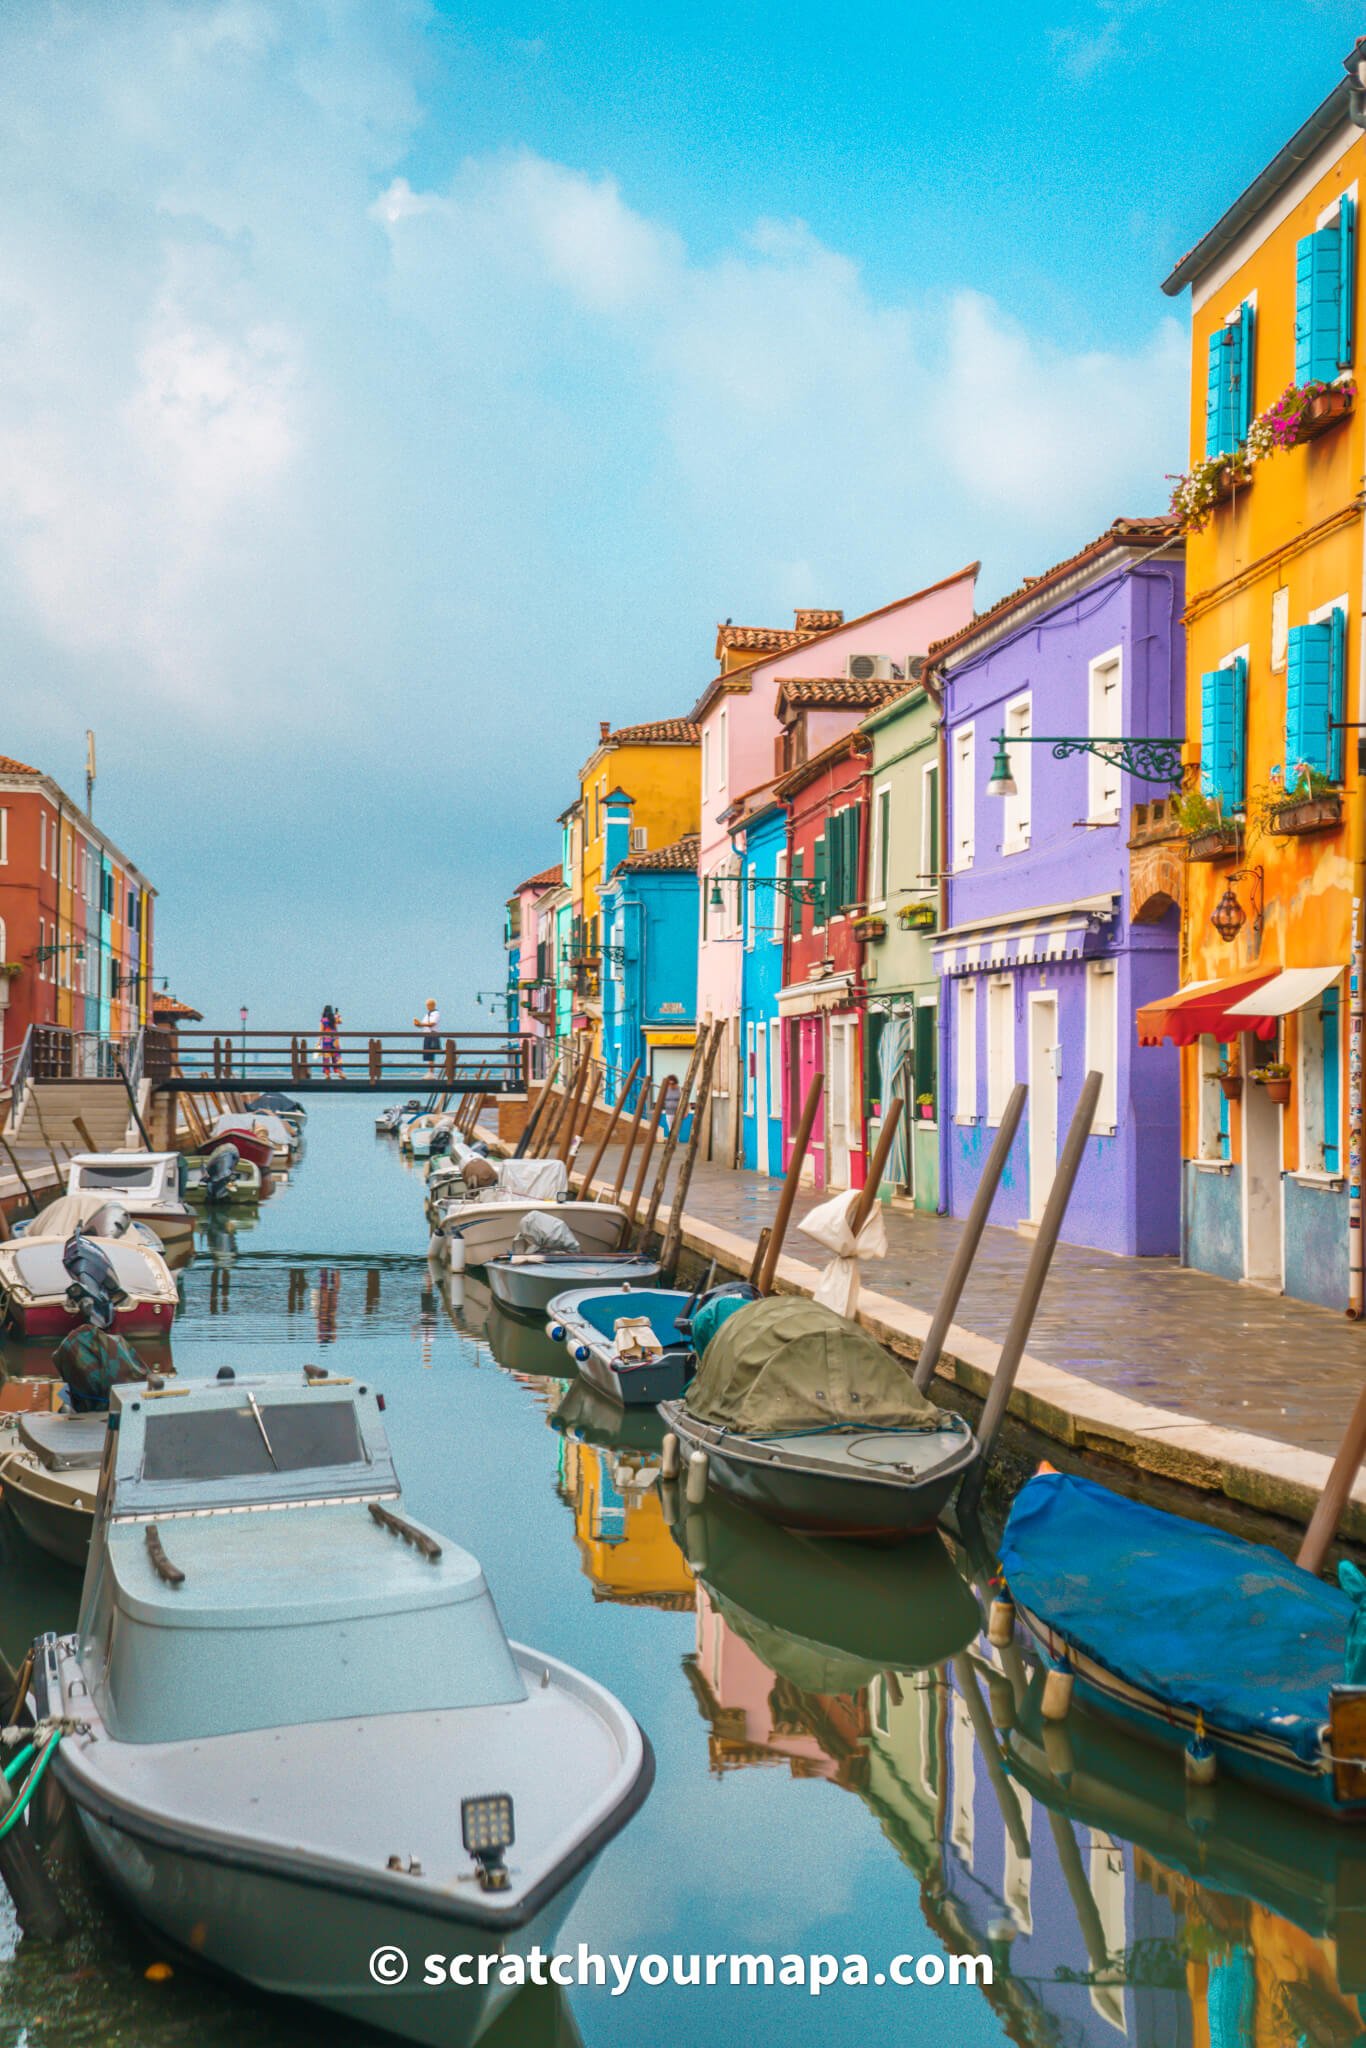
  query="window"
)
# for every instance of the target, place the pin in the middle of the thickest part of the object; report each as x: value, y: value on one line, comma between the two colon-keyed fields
x: 4, y: 838
x: 706, y: 761
x: 775, y: 1068
x: 1102, y: 1040
x: 926, y: 1051
x: 780, y: 872
x: 1106, y: 723
x: 882, y: 841
x: 929, y: 825
x: 1320, y: 1083
x: 1315, y: 691
x: 42, y: 839
x: 841, y: 860
x: 1015, y: 833
x: 750, y: 1062
x: 1325, y: 265
x: 1228, y: 393
x: 964, y: 798
x: 1280, y: 628
x: 965, y: 1092
x: 42, y: 941
x: 1223, y: 733
x: 721, y: 750
x: 1214, y: 1139
x: 1000, y: 1047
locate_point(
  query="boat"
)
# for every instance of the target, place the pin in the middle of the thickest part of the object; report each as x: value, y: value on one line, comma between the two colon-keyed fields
x: 387, y: 1122
x: 803, y: 1417
x: 146, y: 1184
x: 527, y: 1282
x: 213, y: 1178
x: 263, y: 1125
x: 635, y: 1366
x: 472, y: 1232
x: 1196, y: 1639
x: 69, y: 1213
x: 49, y: 1478
x: 101, y: 1273
x: 248, y: 1141
x: 303, y: 1733
x: 284, y: 1106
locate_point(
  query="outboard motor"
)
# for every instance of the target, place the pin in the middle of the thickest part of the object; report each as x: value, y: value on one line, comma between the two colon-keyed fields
x: 94, y: 1290
x: 219, y: 1169
x: 441, y: 1141
x: 111, y: 1219
x: 736, y: 1291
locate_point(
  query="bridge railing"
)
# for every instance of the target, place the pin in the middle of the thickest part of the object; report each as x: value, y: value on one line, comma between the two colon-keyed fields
x: 490, y: 1062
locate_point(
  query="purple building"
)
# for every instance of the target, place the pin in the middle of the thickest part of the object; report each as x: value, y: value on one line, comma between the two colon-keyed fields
x: 1050, y: 942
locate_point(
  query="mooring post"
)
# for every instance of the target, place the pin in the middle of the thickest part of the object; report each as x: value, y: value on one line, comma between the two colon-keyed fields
x: 1036, y: 1272
x: 646, y: 1151
x: 605, y: 1140
x: 673, y: 1236
x: 642, y: 1097
x: 966, y: 1251
x: 791, y: 1181
x: 701, y: 1047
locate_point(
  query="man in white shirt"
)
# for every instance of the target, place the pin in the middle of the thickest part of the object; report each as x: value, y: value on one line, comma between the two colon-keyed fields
x: 430, y: 1027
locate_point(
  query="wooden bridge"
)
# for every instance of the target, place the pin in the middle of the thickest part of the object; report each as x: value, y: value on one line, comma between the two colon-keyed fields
x: 365, y: 1062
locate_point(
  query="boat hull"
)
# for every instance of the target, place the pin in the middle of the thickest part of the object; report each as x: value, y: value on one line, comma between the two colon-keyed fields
x: 249, y: 1144
x: 529, y: 1288
x: 53, y: 1318
x: 486, y: 1230
x: 55, y: 1512
x: 786, y: 1490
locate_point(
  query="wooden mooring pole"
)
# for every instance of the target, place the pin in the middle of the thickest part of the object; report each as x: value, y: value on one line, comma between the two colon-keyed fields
x: 801, y: 1141
x: 701, y: 1047
x: 961, y: 1263
x: 605, y: 1140
x: 673, y: 1236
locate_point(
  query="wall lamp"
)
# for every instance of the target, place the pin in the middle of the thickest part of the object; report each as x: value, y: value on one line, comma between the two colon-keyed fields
x: 1151, y: 760
x: 1229, y: 917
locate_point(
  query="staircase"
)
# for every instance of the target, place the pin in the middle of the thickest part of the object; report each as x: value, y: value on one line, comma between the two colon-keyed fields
x: 47, y: 1112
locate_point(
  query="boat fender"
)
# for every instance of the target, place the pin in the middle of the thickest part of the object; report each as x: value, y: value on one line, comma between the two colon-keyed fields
x: 1057, y: 1693
x: 1057, y: 1750
x: 557, y: 1333
x: 1002, y: 1696
x: 1001, y: 1623
x: 668, y: 1456
x: 434, y: 1245
x: 455, y: 1250
x: 1201, y: 1763
x: 699, y: 1465
x: 668, y: 1500
x: 581, y: 1354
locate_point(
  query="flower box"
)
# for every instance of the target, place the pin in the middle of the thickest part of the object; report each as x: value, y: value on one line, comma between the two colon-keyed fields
x: 1307, y: 814
x: 1324, y: 410
x: 1216, y: 842
x: 917, y: 917
x: 927, y: 1111
x: 870, y: 927
x: 1232, y: 1085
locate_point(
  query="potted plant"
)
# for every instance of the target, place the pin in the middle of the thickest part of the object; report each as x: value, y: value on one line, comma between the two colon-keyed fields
x: 1231, y: 1083
x: 925, y: 1104
x: 870, y: 927
x: 1209, y: 483
x: 1309, y: 803
x: 1209, y: 835
x: 916, y: 917
x: 1301, y: 413
x: 1274, y: 1076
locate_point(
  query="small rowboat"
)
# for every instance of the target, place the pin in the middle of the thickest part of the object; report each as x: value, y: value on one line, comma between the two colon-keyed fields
x: 49, y: 1476
x: 251, y: 1143
x: 527, y: 1282
x: 600, y: 1328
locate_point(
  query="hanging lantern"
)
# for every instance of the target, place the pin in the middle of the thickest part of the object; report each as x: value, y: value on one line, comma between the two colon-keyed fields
x: 1229, y: 916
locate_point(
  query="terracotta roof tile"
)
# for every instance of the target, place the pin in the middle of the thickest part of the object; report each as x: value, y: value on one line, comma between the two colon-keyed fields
x: 818, y: 622
x: 9, y: 766
x: 547, y: 879
x: 171, y: 1006
x: 837, y: 693
x: 679, y: 858
x: 1134, y: 533
x: 659, y: 731
x: 759, y: 639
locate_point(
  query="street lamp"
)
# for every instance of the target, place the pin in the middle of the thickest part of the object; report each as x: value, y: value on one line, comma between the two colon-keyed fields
x: 1229, y: 917
x: 243, y: 1015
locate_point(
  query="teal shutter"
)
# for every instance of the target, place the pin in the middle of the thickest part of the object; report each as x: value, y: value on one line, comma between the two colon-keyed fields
x: 1318, y: 306
x: 1219, y: 436
x: 1244, y: 365
x: 1331, y: 1017
x: 1347, y: 235
x: 1337, y: 694
x: 819, y: 860
x: 1223, y: 734
x: 1308, y: 700
x: 1225, y: 1144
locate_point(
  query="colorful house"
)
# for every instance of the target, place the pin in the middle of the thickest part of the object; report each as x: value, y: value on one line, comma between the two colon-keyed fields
x: 760, y: 832
x: 820, y: 1004
x: 649, y: 923
x: 571, y: 980
x: 902, y: 1017
x: 1268, y: 1005
x: 76, y: 931
x: 652, y: 769
x: 1049, y: 948
x: 531, y: 966
x: 743, y: 747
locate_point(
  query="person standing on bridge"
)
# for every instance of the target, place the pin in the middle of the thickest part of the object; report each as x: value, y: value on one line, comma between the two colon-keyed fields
x: 329, y: 1046
x: 430, y: 1027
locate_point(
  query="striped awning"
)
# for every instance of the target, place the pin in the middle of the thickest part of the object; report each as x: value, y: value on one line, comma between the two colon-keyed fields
x: 1069, y: 931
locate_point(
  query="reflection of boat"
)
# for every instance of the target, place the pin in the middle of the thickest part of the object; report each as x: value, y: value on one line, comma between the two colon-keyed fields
x: 229, y: 1810
x: 627, y: 1551
x: 1193, y: 1636
x: 49, y: 1476
x: 522, y: 1347
x: 528, y: 1282
x: 583, y: 1411
x: 806, y: 1419
x: 146, y: 1184
x: 827, y: 1617
x: 219, y: 1177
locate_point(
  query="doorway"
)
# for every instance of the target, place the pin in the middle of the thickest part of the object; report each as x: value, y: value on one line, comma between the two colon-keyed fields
x: 837, y: 1147
x: 1043, y: 1099
x: 1263, y: 1233
x: 759, y: 1056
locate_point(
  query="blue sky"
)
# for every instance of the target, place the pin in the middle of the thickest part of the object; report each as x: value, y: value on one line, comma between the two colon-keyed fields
x: 387, y: 393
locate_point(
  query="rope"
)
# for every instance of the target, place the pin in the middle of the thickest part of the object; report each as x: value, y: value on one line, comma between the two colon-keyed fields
x: 31, y: 1784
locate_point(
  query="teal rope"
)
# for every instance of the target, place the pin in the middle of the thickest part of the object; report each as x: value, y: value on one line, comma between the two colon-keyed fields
x: 12, y: 1770
x: 34, y: 1780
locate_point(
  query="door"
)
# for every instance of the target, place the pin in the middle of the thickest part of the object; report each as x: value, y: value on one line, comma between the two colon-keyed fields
x: 1263, y: 1242
x: 837, y: 1147
x: 1043, y: 1100
x: 759, y: 1055
x: 809, y: 1064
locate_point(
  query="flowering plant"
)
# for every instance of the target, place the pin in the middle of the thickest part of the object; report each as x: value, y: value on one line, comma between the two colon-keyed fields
x: 1279, y: 426
x: 1198, y: 492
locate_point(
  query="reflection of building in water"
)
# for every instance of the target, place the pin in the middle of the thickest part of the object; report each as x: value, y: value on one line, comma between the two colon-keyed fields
x: 297, y: 1299
x: 756, y: 1717
x: 627, y: 1551
x: 424, y: 1329
x: 372, y: 1291
x: 325, y: 1298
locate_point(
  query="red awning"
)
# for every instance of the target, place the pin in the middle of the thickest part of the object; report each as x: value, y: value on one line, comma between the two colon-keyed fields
x: 1202, y: 1007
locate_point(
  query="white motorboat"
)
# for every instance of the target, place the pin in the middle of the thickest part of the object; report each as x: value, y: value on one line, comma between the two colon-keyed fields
x: 479, y: 1231
x: 49, y: 1478
x: 100, y: 1268
x: 303, y: 1733
x: 146, y: 1184
x: 528, y: 1282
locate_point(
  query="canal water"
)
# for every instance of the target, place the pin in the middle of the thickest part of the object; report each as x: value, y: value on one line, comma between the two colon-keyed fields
x: 828, y: 1723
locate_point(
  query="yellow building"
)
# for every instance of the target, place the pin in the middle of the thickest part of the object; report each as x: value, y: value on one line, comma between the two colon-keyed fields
x: 639, y: 788
x: 1271, y: 813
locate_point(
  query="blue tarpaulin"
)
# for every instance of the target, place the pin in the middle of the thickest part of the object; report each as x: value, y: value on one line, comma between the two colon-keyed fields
x: 1193, y: 1617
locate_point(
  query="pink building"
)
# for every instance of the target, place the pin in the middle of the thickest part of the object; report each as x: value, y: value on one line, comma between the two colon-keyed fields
x: 531, y: 965
x: 745, y: 748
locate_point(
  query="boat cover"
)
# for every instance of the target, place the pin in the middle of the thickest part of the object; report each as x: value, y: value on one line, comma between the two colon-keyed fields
x: 532, y: 1180
x: 60, y: 1218
x: 1190, y: 1616
x: 788, y: 1365
x: 540, y: 1232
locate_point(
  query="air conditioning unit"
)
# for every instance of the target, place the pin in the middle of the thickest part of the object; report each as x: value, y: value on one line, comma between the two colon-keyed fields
x: 870, y: 668
x: 640, y: 838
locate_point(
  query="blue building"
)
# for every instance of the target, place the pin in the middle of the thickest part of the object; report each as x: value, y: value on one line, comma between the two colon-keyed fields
x: 649, y: 954
x: 761, y: 834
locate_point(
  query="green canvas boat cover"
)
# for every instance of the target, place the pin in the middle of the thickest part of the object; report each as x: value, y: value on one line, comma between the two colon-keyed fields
x: 787, y: 1364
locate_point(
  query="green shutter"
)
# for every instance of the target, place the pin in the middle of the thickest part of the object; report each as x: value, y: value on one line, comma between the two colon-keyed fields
x: 852, y: 835
x: 818, y: 876
x: 926, y: 1034
x: 797, y: 876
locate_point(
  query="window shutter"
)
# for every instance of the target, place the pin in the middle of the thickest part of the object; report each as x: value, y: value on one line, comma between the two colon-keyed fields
x: 1330, y: 1018
x: 1228, y: 398
x: 1347, y: 235
x: 798, y: 894
x: 834, y: 854
x: 1318, y: 301
x: 1308, y: 698
x: 1244, y: 366
x: 852, y: 852
x: 820, y: 854
x: 1223, y: 727
x: 1337, y: 693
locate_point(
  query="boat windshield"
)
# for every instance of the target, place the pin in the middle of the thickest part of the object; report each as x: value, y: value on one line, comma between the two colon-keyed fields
x: 231, y: 1443
x: 117, y: 1176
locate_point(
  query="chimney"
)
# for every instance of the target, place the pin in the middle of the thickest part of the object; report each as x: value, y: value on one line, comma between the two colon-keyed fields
x: 604, y: 729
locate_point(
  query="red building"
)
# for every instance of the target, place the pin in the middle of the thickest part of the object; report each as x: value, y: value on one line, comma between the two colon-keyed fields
x: 75, y: 918
x: 821, y: 1002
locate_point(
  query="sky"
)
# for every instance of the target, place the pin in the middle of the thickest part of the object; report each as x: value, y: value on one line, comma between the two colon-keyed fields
x: 390, y: 392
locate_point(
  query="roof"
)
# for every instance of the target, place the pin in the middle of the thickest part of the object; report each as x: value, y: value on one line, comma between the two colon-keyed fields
x: 1330, y: 114
x: 739, y: 678
x: 658, y: 732
x: 9, y: 766
x: 547, y: 879
x: 796, y: 779
x: 171, y: 1006
x: 837, y: 693
x: 1122, y: 533
x: 679, y: 858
